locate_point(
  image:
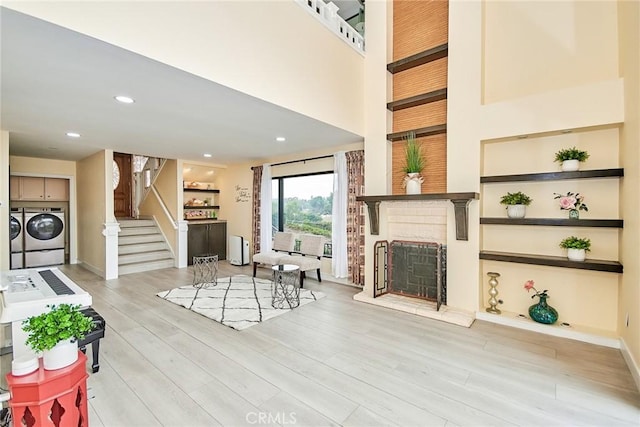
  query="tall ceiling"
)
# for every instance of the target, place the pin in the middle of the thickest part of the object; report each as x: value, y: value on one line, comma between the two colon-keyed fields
x: 54, y: 81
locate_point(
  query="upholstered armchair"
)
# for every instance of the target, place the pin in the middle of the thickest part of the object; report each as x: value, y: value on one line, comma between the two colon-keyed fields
x: 282, y: 246
x: 309, y: 257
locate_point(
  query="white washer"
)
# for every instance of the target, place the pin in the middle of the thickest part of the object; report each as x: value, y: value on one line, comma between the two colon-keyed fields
x: 16, y: 233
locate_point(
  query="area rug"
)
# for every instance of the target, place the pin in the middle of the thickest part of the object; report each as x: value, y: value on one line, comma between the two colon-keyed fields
x: 238, y: 302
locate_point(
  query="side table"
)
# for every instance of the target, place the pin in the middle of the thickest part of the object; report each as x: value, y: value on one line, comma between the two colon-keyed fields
x: 205, y: 271
x: 285, y: 288
x: 57, y: 397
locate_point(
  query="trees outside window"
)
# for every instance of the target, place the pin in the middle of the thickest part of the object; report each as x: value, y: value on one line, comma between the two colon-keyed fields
x: 303, y: 205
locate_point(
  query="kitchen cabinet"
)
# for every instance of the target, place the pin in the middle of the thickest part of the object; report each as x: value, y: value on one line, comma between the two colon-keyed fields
x: 34, y: 188
x: 207, y: 238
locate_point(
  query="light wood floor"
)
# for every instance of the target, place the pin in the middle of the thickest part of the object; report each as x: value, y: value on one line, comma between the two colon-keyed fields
x: 337, y: 362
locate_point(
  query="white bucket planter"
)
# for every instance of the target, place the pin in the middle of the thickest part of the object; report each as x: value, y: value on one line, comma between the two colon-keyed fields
x: 413, y: 183
x: 570, y: 165
x: 516, y: 211
x: 576, y: 254
x: 65, y: 353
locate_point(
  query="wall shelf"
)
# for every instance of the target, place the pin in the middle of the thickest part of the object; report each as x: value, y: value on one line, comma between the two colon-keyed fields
x: 202, y: 207
x: 460, y: 204
x: 553, y: 261
x: 418, y: 59
x: 554, y: 176
x: 414, y: 101
x: 201, y: 190
x: 420, y: 132
x: 611, y: 223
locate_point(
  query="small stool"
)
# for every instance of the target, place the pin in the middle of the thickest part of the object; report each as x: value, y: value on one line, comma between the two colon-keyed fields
x: 285, y: 288
x: 205, y: 271
x: 93, y: 337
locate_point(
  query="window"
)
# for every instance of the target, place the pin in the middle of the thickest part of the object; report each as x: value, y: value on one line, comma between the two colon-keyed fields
x: 303, y: 205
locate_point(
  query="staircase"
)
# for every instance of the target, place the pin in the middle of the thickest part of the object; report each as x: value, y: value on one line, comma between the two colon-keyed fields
x: 142, y: 247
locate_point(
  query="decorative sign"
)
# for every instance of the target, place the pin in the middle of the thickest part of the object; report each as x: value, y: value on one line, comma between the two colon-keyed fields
x: 242, y: 194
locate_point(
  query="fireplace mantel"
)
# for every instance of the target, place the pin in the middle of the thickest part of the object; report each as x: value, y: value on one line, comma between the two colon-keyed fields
x: 460, y: 204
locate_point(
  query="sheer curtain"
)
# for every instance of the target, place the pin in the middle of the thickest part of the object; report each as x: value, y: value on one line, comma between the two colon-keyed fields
x: 265, y: 209
x: 339, y: 266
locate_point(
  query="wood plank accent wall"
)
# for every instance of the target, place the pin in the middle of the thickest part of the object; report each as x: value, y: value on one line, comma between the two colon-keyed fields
x: 417, y: 27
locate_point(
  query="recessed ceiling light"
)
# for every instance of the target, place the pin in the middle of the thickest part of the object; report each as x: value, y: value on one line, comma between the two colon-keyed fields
x: 281, y: 139
x: 209, y: 172
x: 207, y: 155
x: 73, y: 134
x: 124, y: 99
x: 187, y: 170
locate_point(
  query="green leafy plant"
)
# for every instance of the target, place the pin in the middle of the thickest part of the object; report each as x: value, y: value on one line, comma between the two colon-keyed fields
x: 574, y: 242
x: 518, y: 198
x: 61, y: 323
x: 571, y: 154
x: 413, y: 155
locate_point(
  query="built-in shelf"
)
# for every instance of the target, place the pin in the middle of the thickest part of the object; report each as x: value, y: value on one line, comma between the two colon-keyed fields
x: 554, y: 176
x: 202, y: 207
x: 420, y: 132
x: 202, y: 190
x: 414, y: 101
x: 460, y: 204
x: 553, y: 261
x: 418, y: 59
x: 611, y: 223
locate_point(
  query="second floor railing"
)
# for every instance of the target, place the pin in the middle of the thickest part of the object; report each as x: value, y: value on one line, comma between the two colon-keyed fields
x: 327, y: 13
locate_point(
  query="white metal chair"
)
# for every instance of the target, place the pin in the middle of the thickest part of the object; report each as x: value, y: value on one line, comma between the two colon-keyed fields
x: 282, y: 246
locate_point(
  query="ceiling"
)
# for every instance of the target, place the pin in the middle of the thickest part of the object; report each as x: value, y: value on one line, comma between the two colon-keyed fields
x: 54, y: 80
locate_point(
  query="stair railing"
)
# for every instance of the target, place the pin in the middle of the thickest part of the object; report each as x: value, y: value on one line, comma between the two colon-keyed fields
x: 145, y: 179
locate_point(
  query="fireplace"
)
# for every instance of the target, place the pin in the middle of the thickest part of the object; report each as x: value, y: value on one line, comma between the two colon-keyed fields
x: 409, y: 268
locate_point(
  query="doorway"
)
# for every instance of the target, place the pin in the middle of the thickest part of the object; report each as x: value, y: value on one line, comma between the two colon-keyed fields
x: 122, y: 185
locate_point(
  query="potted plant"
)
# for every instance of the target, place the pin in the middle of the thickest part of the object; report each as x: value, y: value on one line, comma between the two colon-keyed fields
x: 570, y: 158
x: 414, y: 164
x: 55, y: 334
x: 516, y: 204
x: 576, y: 247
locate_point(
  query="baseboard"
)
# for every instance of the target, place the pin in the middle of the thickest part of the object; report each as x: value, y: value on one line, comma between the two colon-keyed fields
x: 92, y: 269
x: 631, y: 363
x: 573, y: 332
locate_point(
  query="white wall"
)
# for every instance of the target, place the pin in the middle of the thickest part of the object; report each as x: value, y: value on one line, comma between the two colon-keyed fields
x: 4, y: 199
x: 239, y: 44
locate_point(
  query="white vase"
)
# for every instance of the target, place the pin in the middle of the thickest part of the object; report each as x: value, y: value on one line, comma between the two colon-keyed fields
x: 576, y: 254
x: 516, y: 211
x: 413, y: 183
x: 64, y: 353
x: 570, y: 165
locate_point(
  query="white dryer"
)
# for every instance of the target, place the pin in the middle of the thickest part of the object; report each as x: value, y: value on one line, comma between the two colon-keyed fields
x: 43, y: 237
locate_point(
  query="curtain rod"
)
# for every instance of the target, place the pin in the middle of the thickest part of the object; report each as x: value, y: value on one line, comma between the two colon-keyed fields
x: 298, y: 161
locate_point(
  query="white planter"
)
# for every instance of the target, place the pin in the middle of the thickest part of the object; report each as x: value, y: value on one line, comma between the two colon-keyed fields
x: 570, y: 165
x: 516, y: 211
x: 413, y: 183
x: 65, y: 353
x: 576, y: 254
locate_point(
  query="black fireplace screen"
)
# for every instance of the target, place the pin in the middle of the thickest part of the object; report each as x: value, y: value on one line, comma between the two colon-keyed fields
x: 416, y: 269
